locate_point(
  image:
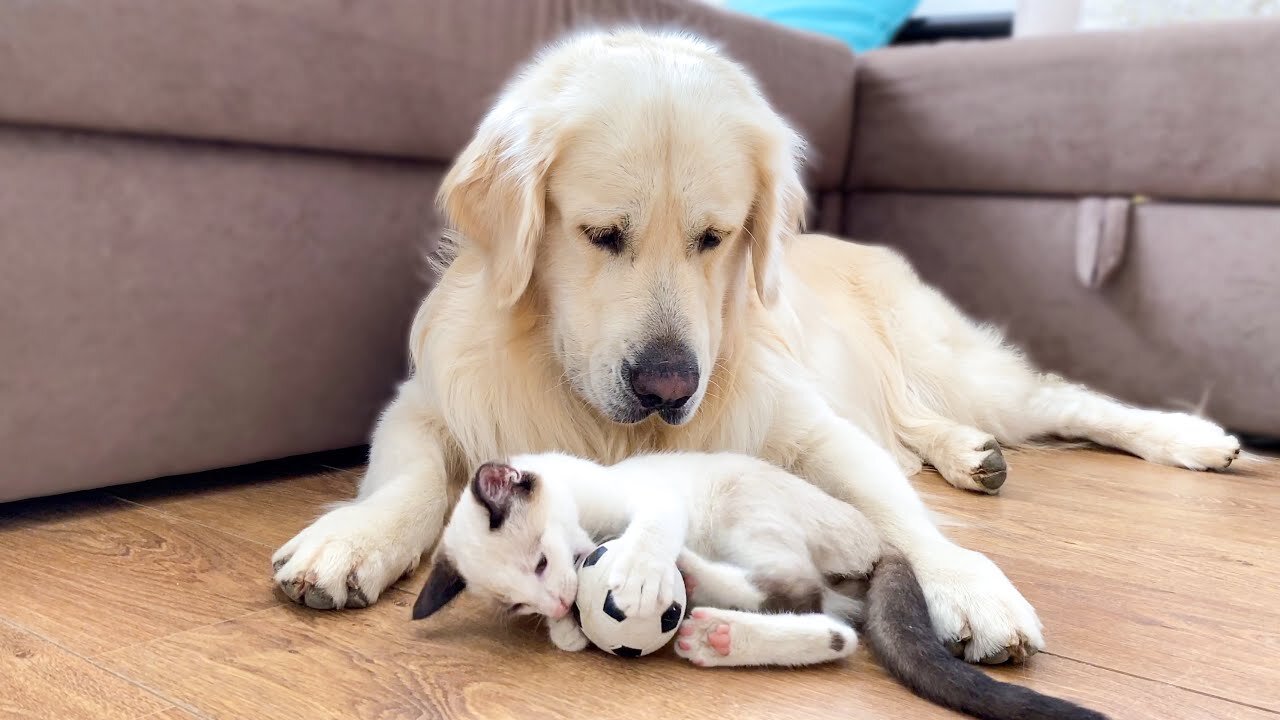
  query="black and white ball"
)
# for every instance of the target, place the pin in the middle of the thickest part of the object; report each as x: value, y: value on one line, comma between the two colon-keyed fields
x: 606, y: 626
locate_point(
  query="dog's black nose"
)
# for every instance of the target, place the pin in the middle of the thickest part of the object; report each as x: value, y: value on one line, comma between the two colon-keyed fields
x: 663, y: 375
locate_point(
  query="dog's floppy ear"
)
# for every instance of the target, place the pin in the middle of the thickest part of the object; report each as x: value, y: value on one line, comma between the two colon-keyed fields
x: 494, y: 195
x: 443, y: 584
x: 778, y: 211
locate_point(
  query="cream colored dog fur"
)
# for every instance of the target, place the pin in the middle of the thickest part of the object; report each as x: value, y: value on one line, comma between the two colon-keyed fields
x: 629, y: 186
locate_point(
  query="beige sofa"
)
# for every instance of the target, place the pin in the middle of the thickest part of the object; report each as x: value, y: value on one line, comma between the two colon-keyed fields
x: 213, y: 214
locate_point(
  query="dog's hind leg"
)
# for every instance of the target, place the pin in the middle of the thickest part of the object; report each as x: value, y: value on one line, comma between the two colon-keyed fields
x: 1074, y: 412
x: 964, y: 388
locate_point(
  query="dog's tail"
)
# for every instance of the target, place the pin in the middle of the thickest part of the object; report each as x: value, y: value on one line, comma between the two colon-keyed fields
x: 901, y: 637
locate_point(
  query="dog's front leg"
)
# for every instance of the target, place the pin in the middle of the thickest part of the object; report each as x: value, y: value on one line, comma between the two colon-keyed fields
x: 347, y: 557
x: 973, y: 605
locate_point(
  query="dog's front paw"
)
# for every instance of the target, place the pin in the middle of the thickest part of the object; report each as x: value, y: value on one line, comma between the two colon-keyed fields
x: 1186, y: 441
x: 642, y: 582
x: 345, y: 559
x: 975, y: 610
x: 567, y: 635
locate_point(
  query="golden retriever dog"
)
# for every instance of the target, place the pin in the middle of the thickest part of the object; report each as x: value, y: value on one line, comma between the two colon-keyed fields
x: 628, y: 275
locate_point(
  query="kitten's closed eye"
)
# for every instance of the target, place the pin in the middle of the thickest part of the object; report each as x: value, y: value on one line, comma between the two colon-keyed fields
x: 516, y: 609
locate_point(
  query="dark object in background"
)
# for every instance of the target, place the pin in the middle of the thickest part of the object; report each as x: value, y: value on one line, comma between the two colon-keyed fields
x: 1260, y: 443
x: 927, y: 29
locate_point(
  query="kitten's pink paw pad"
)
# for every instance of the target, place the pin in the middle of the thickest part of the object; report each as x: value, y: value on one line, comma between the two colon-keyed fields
x: 706, y: 639
x: 719, y: 639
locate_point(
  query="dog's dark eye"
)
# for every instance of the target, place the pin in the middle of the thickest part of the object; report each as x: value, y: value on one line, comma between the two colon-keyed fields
x: 708, y: 240
x: 541, y: 567
x: 608, y: 238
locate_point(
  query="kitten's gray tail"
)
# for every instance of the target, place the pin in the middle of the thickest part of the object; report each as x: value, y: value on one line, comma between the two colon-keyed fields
x: 900, y: 635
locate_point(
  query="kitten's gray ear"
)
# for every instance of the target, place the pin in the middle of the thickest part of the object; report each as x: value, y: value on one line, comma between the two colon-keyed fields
x: 497, y: 486
x: 443, y: 584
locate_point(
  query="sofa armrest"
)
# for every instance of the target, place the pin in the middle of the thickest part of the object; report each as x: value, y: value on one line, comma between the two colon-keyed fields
x: 1183, y: 112
x: 407, y: 78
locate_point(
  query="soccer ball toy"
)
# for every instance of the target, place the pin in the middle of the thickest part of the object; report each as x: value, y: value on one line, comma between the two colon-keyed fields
x: 606, y: 626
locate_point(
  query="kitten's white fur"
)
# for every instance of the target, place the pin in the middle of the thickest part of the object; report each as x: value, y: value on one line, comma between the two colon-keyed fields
x: 737, y: 525
x: 750, y: 539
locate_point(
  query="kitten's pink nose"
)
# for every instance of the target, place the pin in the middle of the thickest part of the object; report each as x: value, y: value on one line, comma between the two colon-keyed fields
x: 561, y: 610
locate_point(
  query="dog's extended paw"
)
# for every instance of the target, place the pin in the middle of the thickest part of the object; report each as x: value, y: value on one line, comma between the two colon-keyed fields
x: 991, y: 470
x: 975, y: 610
x: 1186, y: 441
x: 971, y: 460
x: 342, y: 560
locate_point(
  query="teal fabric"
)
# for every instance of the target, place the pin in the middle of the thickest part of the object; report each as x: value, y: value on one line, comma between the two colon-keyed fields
x: 861, y: 24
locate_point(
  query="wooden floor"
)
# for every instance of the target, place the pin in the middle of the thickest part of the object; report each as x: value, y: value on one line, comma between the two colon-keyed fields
x: 1159, y: 590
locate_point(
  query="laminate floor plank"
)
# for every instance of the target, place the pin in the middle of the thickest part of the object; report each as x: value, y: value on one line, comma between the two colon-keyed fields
x: 1162, y: 573
x: 95, y: 574
x: 266, y: 503
x: 374, y: 663
x: 40, y: 681
x: 1158, y: 589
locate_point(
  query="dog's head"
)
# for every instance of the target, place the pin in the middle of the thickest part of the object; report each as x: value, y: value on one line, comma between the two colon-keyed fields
x: 643, y: 186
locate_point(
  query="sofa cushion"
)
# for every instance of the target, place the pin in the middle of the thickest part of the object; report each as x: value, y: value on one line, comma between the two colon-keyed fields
x: 172, y: 307
x: 1185, y: 112
x: 391, y: 77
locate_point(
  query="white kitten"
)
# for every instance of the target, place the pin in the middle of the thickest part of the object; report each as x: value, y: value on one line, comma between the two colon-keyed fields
x: 761, y: 551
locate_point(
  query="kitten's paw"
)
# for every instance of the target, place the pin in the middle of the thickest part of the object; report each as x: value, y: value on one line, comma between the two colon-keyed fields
x: 643, y: 583
x: 711, y: 637
x: 717, y: 584
x: 706, y: 638
x: 1186, y: 441
x: 342, y: 560
x: 567, y: 635
x: 975, y: 610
